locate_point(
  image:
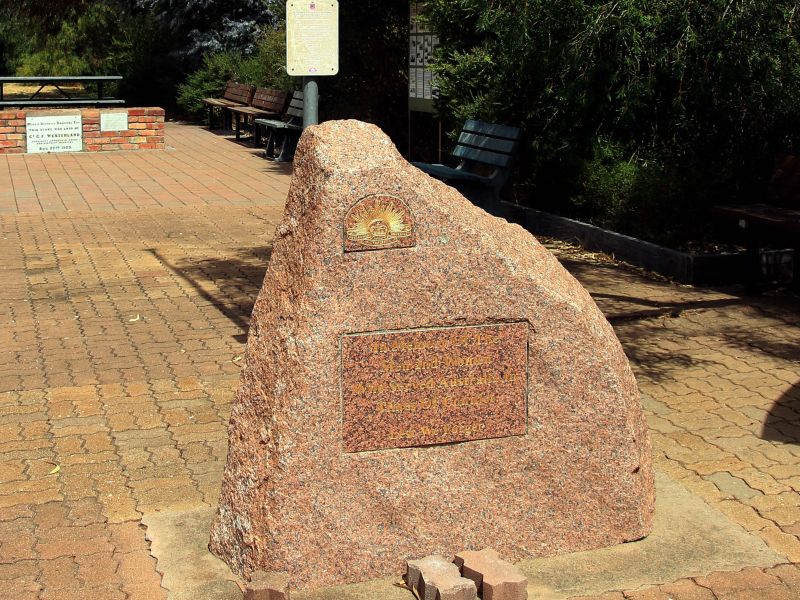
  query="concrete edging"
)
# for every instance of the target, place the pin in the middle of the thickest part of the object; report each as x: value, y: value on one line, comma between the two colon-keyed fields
x: 685, y: 267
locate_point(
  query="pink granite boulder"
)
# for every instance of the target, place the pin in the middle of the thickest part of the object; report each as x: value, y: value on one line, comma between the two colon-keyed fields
x: 420, y: 377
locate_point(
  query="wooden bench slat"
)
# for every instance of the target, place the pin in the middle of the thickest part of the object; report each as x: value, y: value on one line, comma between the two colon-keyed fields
x: 221, y: 102
x: 270, y: 100
x: 492, y: 129
x: 291, y: 124
x: 235, y: 94
x: 249, y: 111
x: 450, y: 174
x: 483, y: 142
x: 239, y: 92
x: 487, y: 151
x: 482, y: 156
x: 266, y: 102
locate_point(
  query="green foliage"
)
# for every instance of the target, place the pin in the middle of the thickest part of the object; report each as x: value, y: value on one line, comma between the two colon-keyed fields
x: 264, y: 68
x: 684, y: 87
x: 78, y: 47
x: 149, y: 42
x: 46, y: 18
x: 641, y: 198
x: 13, y: 40
x: 372, y: 84
x: 141, y: 53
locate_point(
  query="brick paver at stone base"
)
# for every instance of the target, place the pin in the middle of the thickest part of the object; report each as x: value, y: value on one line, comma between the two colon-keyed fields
x: 124, y: 330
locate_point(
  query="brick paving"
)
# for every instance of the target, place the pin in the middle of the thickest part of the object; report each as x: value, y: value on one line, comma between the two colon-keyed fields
x: 124, y: 329
x: 126, y: 283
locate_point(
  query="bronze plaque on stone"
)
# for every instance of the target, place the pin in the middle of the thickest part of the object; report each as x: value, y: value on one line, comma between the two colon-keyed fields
x: 433, y: 386
x: 378, y: 222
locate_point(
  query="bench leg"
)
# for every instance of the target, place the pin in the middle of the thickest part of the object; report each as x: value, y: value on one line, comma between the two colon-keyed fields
x: 290, y: 140
x: 269, y: 151
x: 754, y: 280
x: 282, y: 139
x: 211, y: 117
x: 238, y: 126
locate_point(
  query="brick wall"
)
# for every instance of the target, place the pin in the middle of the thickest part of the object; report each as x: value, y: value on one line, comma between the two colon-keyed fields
x: 145, y: 129
x: 12, y: 132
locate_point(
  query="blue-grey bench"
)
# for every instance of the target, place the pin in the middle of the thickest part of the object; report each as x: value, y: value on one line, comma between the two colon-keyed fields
x: 285, y: 131
x: 487, y: 152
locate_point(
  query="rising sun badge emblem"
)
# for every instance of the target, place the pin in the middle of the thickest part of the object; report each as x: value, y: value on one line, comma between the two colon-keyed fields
x: 378, y: 221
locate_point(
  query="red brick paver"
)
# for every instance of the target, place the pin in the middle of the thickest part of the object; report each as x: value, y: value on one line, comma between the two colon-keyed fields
x: 125, y: 287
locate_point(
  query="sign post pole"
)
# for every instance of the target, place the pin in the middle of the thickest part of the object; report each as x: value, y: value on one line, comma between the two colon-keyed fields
x: 310, y: 101
x: 312, y: 48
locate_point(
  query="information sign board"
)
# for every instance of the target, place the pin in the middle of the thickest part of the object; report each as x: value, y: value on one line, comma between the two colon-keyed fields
x: 312, y: 38
x: 114, y: 121
x: 61, y: 133
x: 422, y: 90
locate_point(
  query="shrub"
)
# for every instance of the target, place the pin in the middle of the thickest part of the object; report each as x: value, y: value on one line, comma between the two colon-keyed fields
x: 696, y: 91
x: 620, y: 193
x: 264, y: 68
x: 79, y: 45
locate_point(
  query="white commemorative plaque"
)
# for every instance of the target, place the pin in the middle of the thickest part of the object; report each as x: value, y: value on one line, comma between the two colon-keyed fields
x: 312, y: 37
x: 114, y: 121
x: 56, y: 133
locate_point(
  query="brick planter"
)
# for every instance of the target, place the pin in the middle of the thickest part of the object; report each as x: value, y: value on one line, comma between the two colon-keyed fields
x: 144, y: 131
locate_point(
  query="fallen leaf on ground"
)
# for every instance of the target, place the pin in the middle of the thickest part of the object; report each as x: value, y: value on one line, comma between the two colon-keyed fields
x: 405, y: 586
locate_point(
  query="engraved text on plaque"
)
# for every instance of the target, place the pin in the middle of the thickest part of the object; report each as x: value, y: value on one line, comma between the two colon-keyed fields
x: 433, y: 386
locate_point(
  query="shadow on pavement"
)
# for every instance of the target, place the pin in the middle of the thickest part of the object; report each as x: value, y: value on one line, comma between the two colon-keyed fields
x: 783, y: 422
x: 230, y: 284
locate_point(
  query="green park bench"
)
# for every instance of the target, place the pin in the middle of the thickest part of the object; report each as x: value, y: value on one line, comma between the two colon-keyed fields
x: 266, y: 103
x: 285, y: 131
x: 487, y: 152
x: 235, y: 94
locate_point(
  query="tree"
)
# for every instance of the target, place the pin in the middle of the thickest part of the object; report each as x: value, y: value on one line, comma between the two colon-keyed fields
x: 372, y: 84
x: 705, y: 90
x: 203, y: 26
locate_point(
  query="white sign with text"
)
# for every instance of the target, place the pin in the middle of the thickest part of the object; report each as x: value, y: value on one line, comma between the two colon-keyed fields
x: 312, y: 37
x: 114, y: 121
x: 61, y: 133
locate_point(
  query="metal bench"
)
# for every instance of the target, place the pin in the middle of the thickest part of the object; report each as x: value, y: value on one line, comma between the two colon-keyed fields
x: 235, y: 94
x: 487, y: 152
x: 65, y: 98
x: 286, y: 131
x: 776, y: 220
x: 57, y: 103
x: 266, y: 103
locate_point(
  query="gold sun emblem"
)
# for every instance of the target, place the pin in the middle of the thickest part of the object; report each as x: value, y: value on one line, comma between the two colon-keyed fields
x: 379, y: 221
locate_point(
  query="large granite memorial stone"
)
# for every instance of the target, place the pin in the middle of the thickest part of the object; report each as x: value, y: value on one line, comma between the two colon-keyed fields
x: 420, y: 378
